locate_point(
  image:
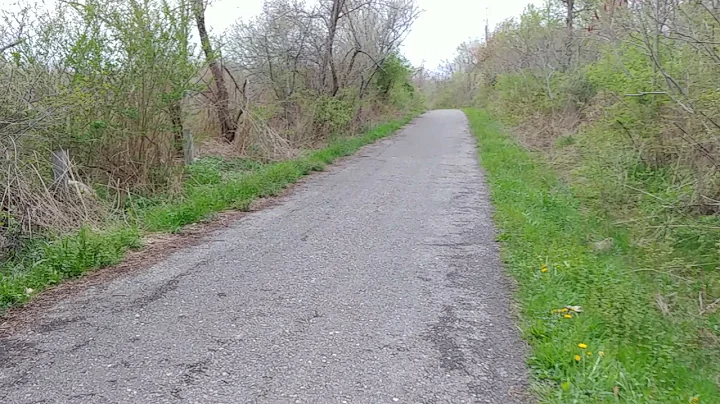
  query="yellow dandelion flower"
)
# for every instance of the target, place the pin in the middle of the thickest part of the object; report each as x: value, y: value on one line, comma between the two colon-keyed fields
x: 564, y: 310
x: 577, y: 358
x: 601, y: 353
x: 543, y: 270
x: 582, y: 346
x: 695, y: 400
x: 568, y: 316
x: 589, y: 353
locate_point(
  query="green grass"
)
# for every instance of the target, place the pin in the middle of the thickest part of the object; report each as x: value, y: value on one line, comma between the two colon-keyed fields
x: 647, y: 357
x: 211, y: 186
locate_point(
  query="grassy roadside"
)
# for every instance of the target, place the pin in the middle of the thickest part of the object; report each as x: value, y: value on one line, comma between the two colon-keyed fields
x: 49, y: 262
x: 620, y: 348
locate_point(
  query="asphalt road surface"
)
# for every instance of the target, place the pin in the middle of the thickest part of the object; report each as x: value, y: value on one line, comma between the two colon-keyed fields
x: 376, y: 282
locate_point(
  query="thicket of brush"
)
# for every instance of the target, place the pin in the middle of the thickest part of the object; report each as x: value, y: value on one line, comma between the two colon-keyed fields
x: 116, y: 85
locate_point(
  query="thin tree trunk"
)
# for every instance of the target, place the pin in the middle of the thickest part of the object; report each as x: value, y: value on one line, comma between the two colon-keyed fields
x: 328, y: 57
x: 175, y: 113
x: 228, y: 127
x: 570, y: 37
x: 188, y: 147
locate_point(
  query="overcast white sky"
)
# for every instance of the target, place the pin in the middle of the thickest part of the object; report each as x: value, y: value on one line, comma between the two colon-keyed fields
x: 440, y: 29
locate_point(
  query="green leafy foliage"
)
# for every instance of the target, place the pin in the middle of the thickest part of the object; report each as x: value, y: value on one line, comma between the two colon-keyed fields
x: 333, y: 114
x: 393, y: 80
x: 129, y: 66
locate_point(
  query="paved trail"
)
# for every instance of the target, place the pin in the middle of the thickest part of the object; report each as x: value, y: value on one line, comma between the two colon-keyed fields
x: 378, y: 282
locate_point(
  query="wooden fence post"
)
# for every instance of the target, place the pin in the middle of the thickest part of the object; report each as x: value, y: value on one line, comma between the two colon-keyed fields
x: 188, y: 147
x: 60, y: 161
